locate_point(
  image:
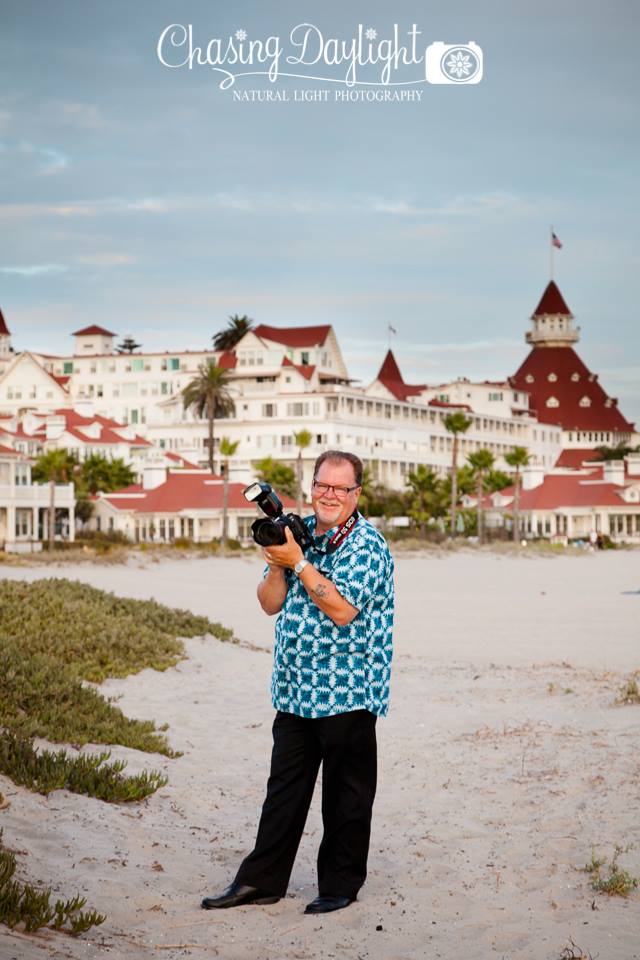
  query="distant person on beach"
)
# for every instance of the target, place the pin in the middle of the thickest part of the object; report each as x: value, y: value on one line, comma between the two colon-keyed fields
x: 330, y: 682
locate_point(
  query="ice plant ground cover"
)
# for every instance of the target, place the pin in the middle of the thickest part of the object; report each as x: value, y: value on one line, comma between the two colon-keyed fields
x: 56, y: 633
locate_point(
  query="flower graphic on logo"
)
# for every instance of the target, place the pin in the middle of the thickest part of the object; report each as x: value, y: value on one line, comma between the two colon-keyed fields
x: 371, y: 34
x: 241, y: 34
x: 459, y: 65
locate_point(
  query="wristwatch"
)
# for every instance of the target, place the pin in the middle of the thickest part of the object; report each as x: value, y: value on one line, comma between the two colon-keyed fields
x: 300, y: 565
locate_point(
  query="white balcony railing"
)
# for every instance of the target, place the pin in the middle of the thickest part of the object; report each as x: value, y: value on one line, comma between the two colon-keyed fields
x: 35, y: 495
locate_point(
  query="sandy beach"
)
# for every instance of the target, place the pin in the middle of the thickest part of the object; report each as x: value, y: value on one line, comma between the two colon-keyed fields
x: 503, y: 762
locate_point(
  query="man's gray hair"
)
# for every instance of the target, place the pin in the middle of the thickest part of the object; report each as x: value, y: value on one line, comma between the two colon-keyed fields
x: 336, y: 456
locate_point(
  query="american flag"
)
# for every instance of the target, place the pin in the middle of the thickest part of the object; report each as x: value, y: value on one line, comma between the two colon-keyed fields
x: 555, y: 241
x: 392, y: 329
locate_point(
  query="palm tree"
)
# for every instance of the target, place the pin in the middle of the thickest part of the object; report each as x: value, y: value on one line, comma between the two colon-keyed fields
x: 303, y: 440
x: 208, y: 394
x: 455, y: 423
x: 227, y: 449
x: 426, y: 502
x: 367, y: 491
x: 55, y: 466
x: 482, y: 461
x: 235, y: 330
x: 518, y: 457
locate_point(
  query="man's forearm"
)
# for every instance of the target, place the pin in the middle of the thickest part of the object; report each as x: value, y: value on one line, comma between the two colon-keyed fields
x: 272, y: 591
x: 326, y: 597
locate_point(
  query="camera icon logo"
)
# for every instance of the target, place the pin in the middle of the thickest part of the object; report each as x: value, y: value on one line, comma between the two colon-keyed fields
x: 453, y: 62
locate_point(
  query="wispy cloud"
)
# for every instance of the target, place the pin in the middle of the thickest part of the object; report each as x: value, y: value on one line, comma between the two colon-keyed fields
x: 106, y: 259
x: 87, y: 116
x: 479, y: 205
x: 46, y: 160
x: 34, y: 269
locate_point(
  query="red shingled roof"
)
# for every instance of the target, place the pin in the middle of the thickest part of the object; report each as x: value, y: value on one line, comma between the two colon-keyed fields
x: 294, y: 336
x: 7, y: 451
x: 228, y: 360
x: 564, y: 362
x: 390, y: 377
x: 575, y: 458
x: 570, y: 491
x: 306, y: 371
x: 75, y: 422
x: 3, y: 326
x: 552, y: 301
x: 93, y: 330
x: 185, y: 491
x: 443, y: 403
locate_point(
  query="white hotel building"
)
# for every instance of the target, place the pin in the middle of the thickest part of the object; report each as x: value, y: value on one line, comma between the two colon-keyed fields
x: 282, y: 380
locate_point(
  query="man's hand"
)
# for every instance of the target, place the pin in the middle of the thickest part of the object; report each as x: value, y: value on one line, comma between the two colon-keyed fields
x: 285, y: 554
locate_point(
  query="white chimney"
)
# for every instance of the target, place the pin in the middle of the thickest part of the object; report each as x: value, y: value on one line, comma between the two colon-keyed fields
x: 55, y: 425
x: 532, y: 476
x: 613, y: 471
x: 633, y: 464
x: 154, y: 473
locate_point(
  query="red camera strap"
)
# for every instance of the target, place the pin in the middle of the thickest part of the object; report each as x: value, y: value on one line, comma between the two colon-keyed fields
x: 341, y: 535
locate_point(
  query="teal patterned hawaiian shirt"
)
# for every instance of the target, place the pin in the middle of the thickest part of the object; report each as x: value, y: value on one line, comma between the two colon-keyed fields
x: 320, y: 668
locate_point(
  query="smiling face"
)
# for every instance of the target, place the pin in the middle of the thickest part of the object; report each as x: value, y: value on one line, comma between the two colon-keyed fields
x: 330, y: 509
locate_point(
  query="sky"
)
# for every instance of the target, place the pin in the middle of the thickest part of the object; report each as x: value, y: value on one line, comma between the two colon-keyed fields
x: 148, y: 200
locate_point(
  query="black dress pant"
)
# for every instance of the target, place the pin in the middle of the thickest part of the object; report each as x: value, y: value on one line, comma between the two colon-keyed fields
x: 345, y: 744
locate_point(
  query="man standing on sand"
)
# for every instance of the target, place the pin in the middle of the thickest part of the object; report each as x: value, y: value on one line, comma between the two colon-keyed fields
x: 332, y: 662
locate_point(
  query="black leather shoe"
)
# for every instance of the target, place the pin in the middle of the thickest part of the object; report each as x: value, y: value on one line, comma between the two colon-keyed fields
x: 327, y: 904
x: 236, y: 895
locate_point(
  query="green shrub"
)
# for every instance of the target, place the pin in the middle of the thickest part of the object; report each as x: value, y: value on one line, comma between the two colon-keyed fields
x: 182, y: 543
x: 617, y: 882
x: 22, y: 903
x: 40, y: 697
x: 104, y: 536
x: 57, y: 633
x: 89, y: 774
x: 97, y: 634
x: 233, y: 544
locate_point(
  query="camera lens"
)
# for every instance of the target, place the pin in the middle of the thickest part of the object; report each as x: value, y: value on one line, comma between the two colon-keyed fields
x: 268, y: 533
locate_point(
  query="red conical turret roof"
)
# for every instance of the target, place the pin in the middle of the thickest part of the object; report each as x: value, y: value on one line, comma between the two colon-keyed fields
x: 390, y: 377
x: 4, y: 330
x: 552, y: 301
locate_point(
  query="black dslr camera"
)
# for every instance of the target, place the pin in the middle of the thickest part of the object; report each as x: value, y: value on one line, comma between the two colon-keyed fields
x: 270, y: 532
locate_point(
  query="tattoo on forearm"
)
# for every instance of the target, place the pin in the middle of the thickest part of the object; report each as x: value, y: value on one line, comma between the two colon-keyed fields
x: 320, y: 591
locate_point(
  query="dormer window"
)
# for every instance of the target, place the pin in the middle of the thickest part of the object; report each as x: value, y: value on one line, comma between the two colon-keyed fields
x: 553, y: 402
x: 607, y: 402
x: 575, y: 377
x: 529, y: 378
x: 552, y: 378
x: 585, y: 402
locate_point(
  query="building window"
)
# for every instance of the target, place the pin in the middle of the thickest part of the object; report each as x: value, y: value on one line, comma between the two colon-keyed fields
x: 585, y: 402
x: 137, y: 365
x: 304, y: 358
x: 575, y: 377
x: 67, y: 367
x: 297, y: 409
x: 269, y: 410
x: 552, y: 378
x: 529, y: 378
x: 495, y: 396
x: 553, y: 402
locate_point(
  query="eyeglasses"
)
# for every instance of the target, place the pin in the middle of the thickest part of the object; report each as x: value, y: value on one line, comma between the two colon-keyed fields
x: 340, y: 492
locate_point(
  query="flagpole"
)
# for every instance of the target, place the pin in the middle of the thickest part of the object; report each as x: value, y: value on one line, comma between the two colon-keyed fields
x: 551, y: 252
